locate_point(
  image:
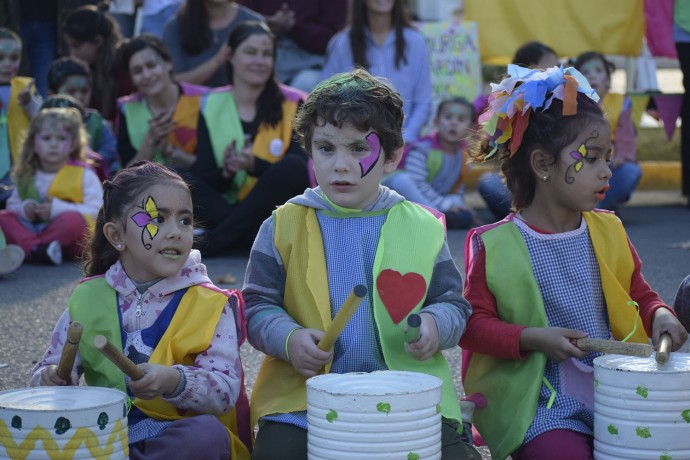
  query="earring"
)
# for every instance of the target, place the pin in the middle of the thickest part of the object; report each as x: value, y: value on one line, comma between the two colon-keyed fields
x: 545, y: 177
x: 118, y: 246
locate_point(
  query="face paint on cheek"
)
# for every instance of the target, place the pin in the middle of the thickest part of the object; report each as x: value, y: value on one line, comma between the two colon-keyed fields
x: 579, y: 156
x: 146, y: 219
x: 368, y: 163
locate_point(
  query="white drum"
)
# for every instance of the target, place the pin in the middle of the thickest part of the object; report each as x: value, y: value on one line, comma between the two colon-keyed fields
x: 378, y: 415
x: 641, y: 408
x: 63, y: 423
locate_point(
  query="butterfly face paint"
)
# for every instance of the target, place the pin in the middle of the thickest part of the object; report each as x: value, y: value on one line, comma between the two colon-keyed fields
x: 579, y: 156
x: 368, y: 163
x: 148, y: 220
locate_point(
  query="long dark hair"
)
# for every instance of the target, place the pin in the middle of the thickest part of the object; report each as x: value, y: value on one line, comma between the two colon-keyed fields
x: 269, y: 106
x: 193, y: 26
x: 85, y: 24
x: 359, y: 21
x: 118, y: 197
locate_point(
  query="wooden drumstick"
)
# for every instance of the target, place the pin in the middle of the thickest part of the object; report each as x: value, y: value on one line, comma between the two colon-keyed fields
x: 663, y: 348
x: 118, y: 358
x: 342, y: 317
x: 69, y: 351
x: 613, y: 346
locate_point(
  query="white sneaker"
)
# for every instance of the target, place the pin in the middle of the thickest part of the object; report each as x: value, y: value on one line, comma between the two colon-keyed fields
x: 54, y: 251
x: 11, y: 258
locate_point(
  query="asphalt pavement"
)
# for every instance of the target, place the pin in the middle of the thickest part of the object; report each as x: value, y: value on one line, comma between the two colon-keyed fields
x: 33, y: 298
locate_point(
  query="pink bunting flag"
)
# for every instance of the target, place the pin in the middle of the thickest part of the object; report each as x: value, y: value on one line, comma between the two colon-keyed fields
x: 669, y: 106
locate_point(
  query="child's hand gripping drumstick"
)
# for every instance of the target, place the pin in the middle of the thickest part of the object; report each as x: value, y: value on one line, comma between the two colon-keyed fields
x: 69, y: 351
x: 663, y: 350
x: 614, y: 347
x: 118, y: 358
x: 342, y: 317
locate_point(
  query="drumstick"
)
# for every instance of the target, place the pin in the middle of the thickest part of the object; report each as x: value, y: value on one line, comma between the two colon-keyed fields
x: 118, y: 358
x: 342, y: 317
x: 663, y: 349
x: 413, y: 323
x: 612, y: 346
x: 69, y: 351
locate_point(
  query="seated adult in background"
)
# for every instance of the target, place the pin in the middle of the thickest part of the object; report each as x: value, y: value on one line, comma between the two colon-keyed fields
x: 381, y: 39
x: 264, y: 169
x: 197, y: 39
x: 159, y: 122
x: 94, y: 36
x: 491, y: 186
x: 303, y: 29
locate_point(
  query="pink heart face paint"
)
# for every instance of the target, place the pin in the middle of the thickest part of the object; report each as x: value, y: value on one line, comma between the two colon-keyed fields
x: 368, y: 163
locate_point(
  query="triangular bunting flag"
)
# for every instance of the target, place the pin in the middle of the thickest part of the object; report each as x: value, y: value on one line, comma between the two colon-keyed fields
x: 639, y: 105
x: 669, y: 106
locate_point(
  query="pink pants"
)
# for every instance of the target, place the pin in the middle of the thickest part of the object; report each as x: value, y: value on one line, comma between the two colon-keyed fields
x: 561, y: 444
x: 69, y: 229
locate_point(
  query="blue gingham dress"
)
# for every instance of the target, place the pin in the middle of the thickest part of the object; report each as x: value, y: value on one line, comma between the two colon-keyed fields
x: 567, y: 274
x: 350, y: 246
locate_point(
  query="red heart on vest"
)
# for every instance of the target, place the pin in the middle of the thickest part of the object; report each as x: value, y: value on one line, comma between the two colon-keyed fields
x: 400, y: 293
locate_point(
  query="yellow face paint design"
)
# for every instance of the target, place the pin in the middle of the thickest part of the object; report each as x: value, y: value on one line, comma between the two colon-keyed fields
x: 147, y: 219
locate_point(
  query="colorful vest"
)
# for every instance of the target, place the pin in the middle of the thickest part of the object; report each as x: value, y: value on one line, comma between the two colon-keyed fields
x: 512, y: 387
x: 189, y: 333
x: 410, y: 241
x: 265, y: 144
x: 217, y: 105
x: 68, y: 185
x: 17, y: 119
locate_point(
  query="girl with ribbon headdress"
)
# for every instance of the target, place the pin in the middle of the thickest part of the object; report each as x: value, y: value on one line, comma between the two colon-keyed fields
x: 553, y: 272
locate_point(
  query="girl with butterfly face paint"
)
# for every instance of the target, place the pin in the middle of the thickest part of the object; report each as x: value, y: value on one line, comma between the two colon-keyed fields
x: 148, y: 293
x: 555, y: 271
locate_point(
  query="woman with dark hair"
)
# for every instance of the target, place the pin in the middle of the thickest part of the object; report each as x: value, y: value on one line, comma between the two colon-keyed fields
x: 159, y: 121
x: 382, y: 40
x: 197, y: 39
x: 93, y: 36
x: 262, y: 168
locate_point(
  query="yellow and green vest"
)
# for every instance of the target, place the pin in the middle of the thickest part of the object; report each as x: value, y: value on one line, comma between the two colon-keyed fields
x: 512, y: 387
x: 68, y: 185
x: 94, y: 304
x: 410, y: 241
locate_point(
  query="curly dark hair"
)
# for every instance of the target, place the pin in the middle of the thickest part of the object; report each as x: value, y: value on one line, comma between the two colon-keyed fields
x: 548, y: 130
x: 358, y: 98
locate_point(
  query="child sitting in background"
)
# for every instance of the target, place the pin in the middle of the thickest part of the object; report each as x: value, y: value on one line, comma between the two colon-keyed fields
x: 96, y: 160
x: 19, y: 101
x: 348, y: 231
x: 57, y: 194
x: 551, y: 273
x: 618, y: 111
x: 436, y: 166
x: 149, y: 294
x: 71, y: 76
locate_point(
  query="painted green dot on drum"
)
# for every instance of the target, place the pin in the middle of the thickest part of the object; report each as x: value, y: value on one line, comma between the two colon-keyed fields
x: 412, y: 456
x: 643, y: 432
x: 686, y: 415
x: 642, y: 391
x: 331, y: 416
x: 438, y: 408
x: 383, y: 407
x: 665, y: 456
x: 612, y: 429
x: 17, y: 422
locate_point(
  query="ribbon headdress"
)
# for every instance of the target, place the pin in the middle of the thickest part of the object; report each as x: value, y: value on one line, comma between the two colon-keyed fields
x: 512, y: 101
